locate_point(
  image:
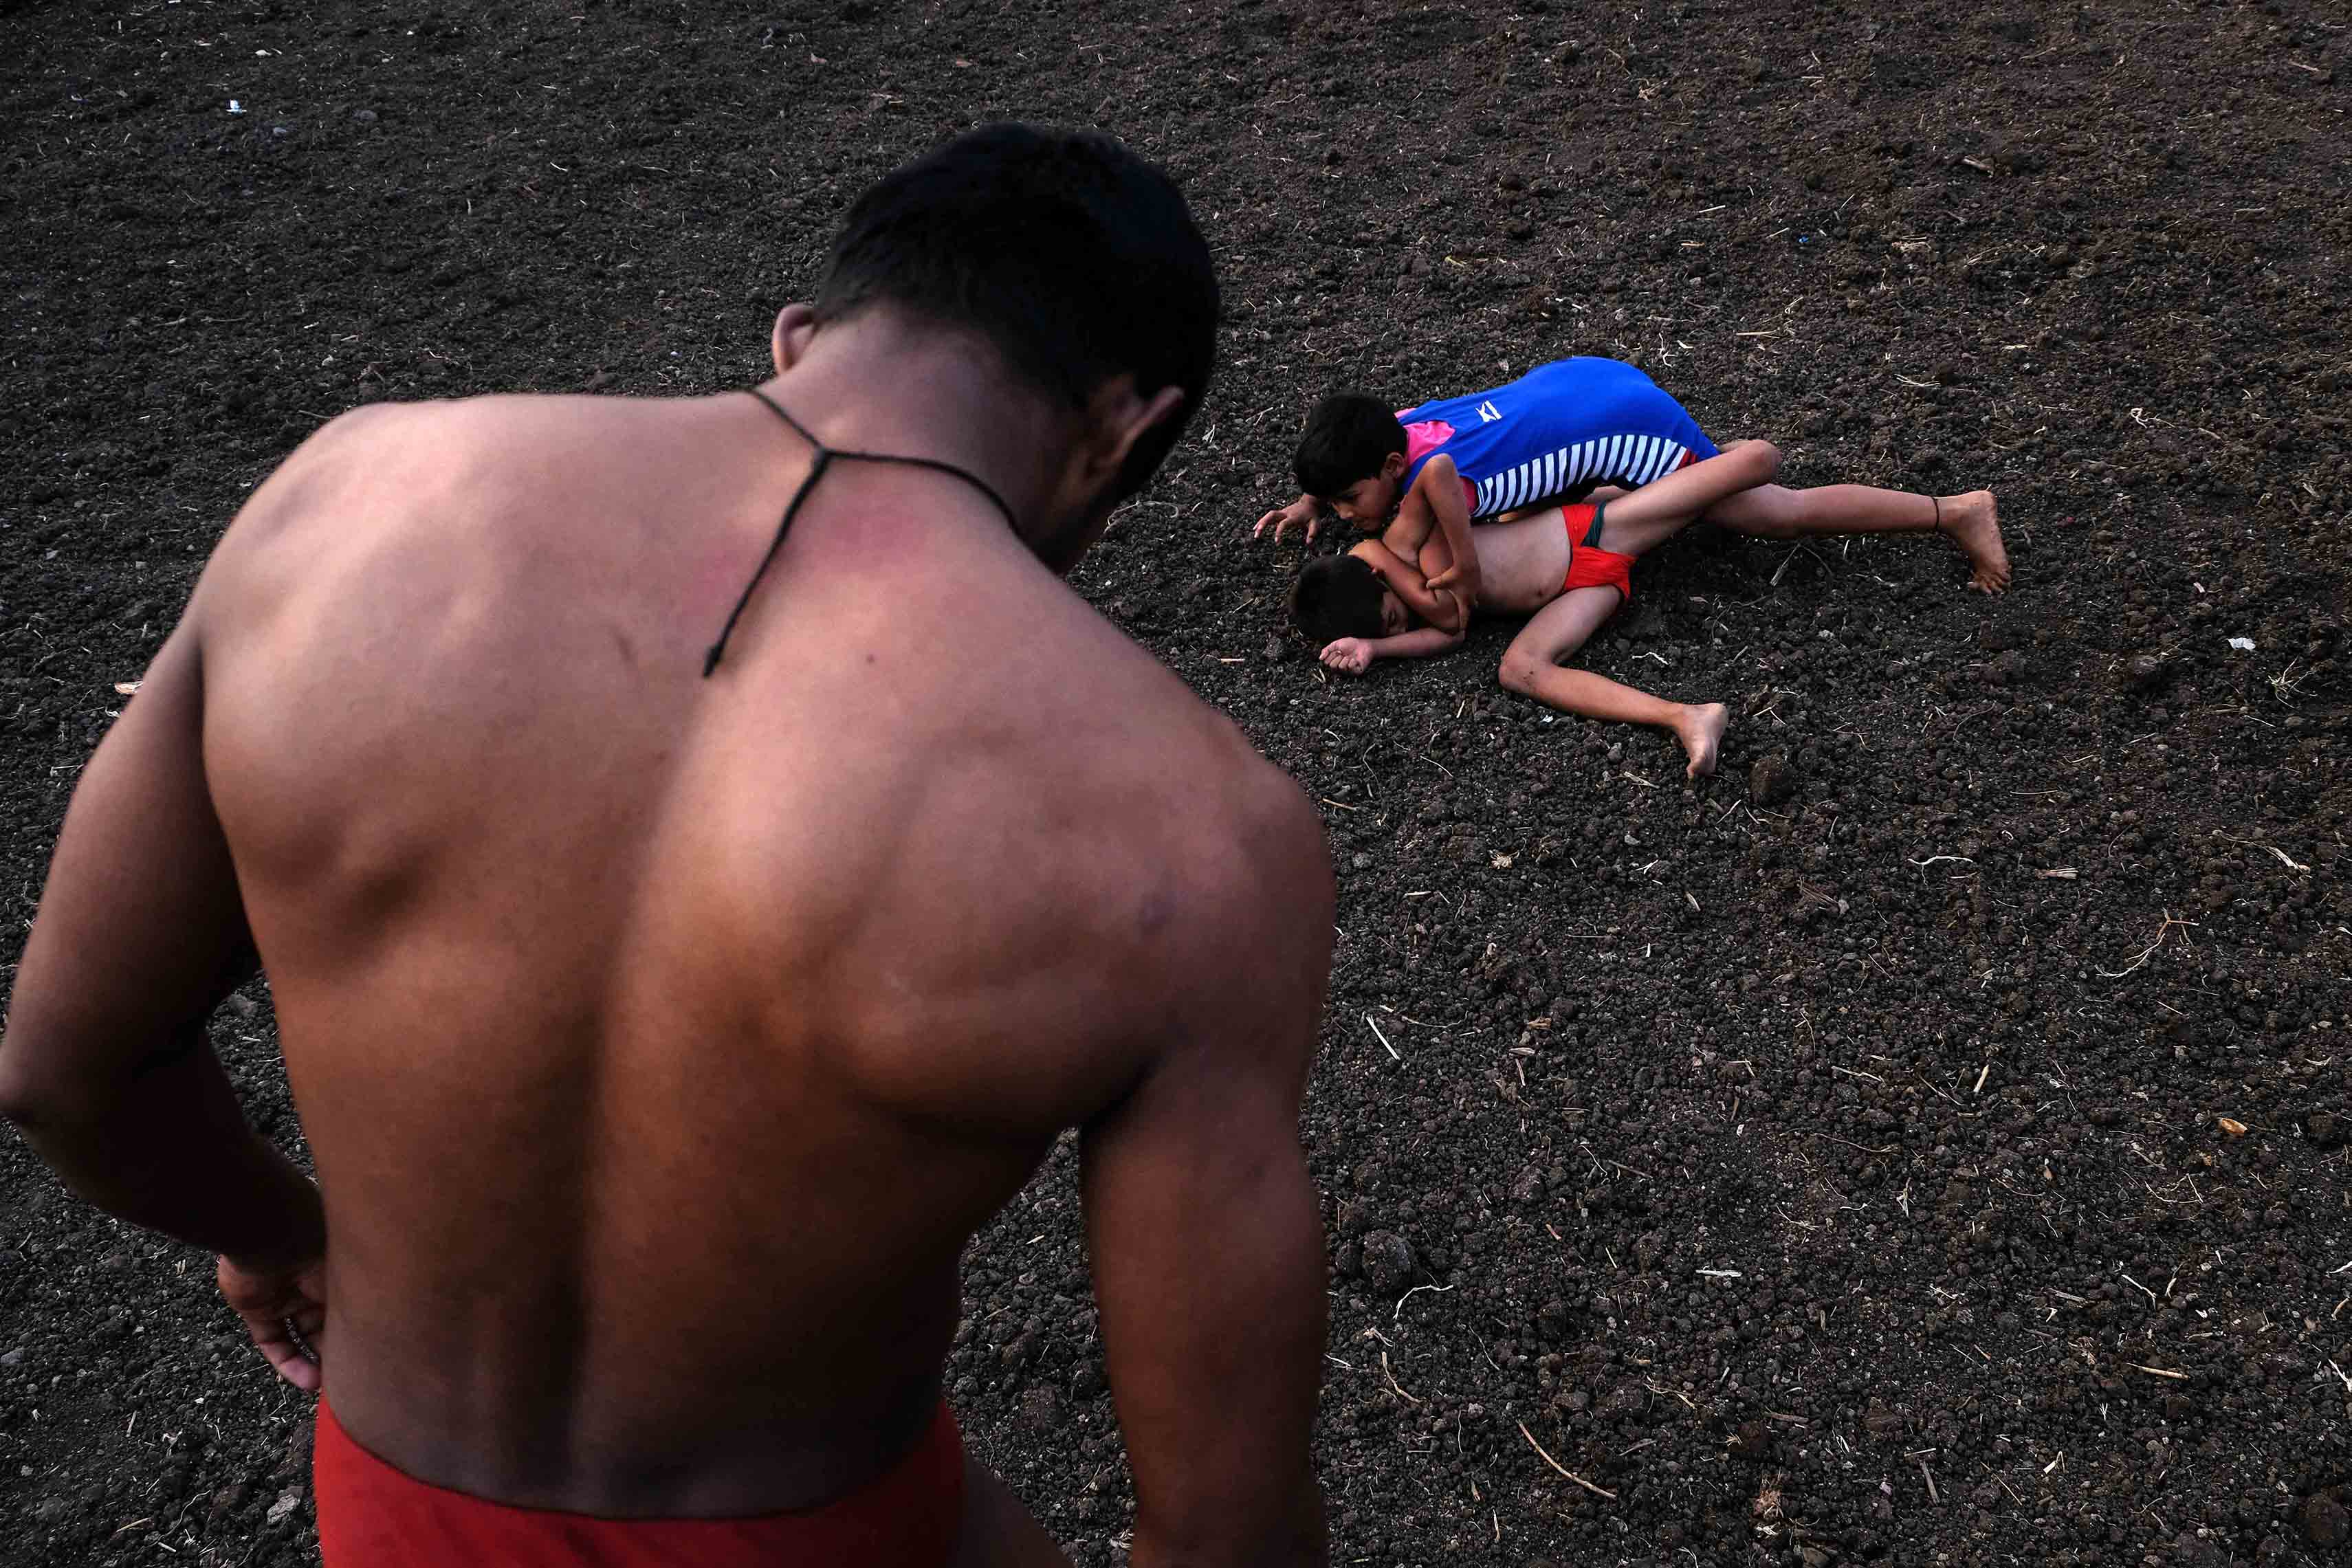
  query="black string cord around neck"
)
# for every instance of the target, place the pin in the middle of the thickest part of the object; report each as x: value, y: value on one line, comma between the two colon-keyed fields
x: 823, y: 459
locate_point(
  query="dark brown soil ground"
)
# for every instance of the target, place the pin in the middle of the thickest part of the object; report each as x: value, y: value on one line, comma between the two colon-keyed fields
x: 1825, y: 1163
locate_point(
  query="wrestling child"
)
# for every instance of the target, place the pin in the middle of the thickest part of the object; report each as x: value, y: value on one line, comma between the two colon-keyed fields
x: 1558, y: 432
x: 1567, y: 567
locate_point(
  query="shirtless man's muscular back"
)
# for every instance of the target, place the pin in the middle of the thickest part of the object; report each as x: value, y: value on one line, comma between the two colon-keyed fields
x: 661, y: 1040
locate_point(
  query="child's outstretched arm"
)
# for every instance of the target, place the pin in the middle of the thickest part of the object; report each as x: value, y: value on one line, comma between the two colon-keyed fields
x: 1354, y: 656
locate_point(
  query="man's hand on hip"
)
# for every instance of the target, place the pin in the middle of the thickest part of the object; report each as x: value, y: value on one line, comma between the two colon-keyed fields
x: 285, y: 1309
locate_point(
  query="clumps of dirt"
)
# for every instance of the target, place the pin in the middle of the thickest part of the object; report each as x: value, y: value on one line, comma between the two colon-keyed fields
x: 1771, y: 780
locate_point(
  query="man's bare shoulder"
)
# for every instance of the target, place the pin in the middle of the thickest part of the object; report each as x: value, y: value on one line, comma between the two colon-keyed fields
x: 1251, y: 877
x: 1242, y: 841
x: 1072, y: 836
x: 450, y: 431
x: 1286, y: 877
x: 1168, y: 806
x: 374, y: 474
x: 363, y: 446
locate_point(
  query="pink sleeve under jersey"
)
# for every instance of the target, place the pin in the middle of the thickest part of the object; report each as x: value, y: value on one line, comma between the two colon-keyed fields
x: 1425, y: 436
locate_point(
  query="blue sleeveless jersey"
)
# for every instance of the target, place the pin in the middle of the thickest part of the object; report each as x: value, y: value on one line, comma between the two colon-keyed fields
x: 1560, y: 428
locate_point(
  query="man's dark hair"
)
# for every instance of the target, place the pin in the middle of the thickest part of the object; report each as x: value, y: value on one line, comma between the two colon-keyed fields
x: 1348, y: 437
x: 1337, y: 596
x: 1073, y: 257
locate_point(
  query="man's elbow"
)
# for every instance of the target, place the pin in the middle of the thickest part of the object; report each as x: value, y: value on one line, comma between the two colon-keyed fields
x: 33, y: 1094
x: 23, y: 1099
x: 1215, y: 1538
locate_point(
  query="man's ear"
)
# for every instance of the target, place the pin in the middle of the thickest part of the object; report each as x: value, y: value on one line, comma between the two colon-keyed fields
x: 795, y: 325
x: 1121, y: 416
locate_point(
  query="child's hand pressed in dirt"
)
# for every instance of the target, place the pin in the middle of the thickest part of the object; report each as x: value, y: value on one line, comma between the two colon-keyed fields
x: 1283, y: 518
x: 1350, y: 655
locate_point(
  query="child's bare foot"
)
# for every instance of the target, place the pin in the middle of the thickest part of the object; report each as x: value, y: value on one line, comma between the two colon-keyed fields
x: 1974, y: 522
x: 1700, y: 729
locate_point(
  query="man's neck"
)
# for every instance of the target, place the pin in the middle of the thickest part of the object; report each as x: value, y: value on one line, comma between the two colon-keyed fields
x: 875, y: 383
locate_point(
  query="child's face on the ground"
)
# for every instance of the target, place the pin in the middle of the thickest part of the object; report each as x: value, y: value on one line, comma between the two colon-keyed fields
x: 1366, y: 503
x: 1395, y: 619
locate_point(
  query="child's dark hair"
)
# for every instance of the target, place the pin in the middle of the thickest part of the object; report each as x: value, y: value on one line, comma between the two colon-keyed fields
x: 1076, y: 259
x: 1337, y: 596
x: 1348, y: 437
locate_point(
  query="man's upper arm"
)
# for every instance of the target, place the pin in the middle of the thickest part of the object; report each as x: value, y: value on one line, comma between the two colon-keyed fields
x: 1205, y: 1229
x: 142, y: 930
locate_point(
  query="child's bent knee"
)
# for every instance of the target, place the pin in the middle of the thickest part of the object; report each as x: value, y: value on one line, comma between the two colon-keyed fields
x: 1518, y: 673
